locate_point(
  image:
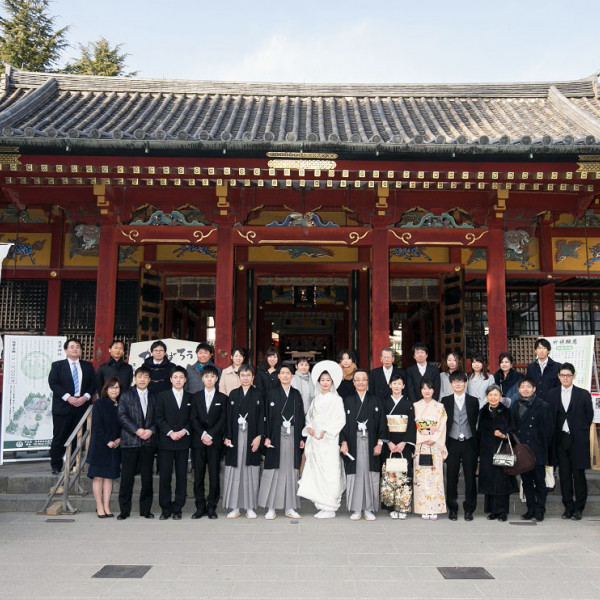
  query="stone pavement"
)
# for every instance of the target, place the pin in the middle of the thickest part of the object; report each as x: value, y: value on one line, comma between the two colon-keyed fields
x: 41, y: 557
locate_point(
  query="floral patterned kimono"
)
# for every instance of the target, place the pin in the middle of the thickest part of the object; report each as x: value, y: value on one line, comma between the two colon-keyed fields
x: 430, y: 419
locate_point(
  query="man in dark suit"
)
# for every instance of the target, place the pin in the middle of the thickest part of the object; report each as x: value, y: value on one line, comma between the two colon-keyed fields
x: 543, y: 371
x: 73, y: 385
x: 173, y: 411
x: 208, y: 427
x: 415, y: 374
x: 115, y: 366
x: 379, y: 378
x: 461, y: 442
x: 138, y: 443
x: 573, y: 414
x: 532, y: 421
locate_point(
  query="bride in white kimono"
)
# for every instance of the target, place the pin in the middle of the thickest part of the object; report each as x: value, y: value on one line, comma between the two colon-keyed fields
x: 323, y: 479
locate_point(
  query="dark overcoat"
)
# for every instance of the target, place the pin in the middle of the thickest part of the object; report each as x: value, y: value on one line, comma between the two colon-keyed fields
x: 414, y: 380
x: 546, y: 381
x: 105, y: 428
x: 534, y: 427
x: 378, y: 383
x: 510, y: 384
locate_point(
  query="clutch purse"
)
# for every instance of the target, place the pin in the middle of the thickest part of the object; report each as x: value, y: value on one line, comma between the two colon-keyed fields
x: 503, y: 459
x: 396, y: 465
x: 426, y: 460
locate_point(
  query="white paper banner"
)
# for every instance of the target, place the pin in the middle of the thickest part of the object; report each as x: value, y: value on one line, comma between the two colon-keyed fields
x: 179, y: 352
x: 26, y: 395
x: 577, y: 350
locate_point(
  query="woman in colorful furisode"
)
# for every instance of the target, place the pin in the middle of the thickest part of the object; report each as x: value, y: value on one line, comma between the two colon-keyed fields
x: 430, y: 452
x: 396, y: 487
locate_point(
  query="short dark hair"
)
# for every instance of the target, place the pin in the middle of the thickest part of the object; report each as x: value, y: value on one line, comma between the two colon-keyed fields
x: 204, y: 346
x: 504, y: 355
x: 544, y: 343
x: 457, y: 358
x: 347, y: 351
x: 458, y: 376
x: 428, y: 383
x: 209, y: 370
x: 117, y: 342
x: 302, y: 359
x: 141, y: 370
x: 241, y: 350
x: 567, y: 367
x: 245, y: 367
x: 177, y: 369
x: 69, y: 340
x: 527, y: 380
x: 419, y: 346
x: 157, y: 344
x: 360, y: 371
x: 108, y: 384
x: 272, y: 351
x: 397, y: 376
x: 286, y: 367
x: 493, y: 388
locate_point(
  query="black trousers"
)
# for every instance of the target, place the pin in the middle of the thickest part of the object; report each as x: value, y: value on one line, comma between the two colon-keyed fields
x: 497, y: 505
x: 167, y: 459
x: 207, y: 457
x: 534, y: 487
x: 62, y: 428
x: 464, y: 453
x: 133, y: 461
x: 571, y: 478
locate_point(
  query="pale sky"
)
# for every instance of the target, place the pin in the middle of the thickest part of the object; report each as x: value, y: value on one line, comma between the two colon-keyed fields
x: 346, y: 41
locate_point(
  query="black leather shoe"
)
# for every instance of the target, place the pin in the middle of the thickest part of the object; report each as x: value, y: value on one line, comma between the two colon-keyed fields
x: 539, y: 518
x: 577, y: 516
x: 147, y: 515
x: 502, y: 518
x: 199, y: 514
x: 212, y: 514
x: 56, y: 471
x: 567, y: 514
x: 453, y: 516
x: 492, y: 516
x: 122, y: 517
x: 164, y: 516
x: 468, y: 516
x: 527, y: 516
x: 177, y: 516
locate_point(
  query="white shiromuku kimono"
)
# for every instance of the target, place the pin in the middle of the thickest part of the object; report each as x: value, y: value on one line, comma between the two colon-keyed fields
x: 323, y: 479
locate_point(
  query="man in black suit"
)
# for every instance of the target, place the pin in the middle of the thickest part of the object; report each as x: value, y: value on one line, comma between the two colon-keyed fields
x: 138, y: 443
x: 379, y: 378
x: 573, y: 414
x: 73, y: 385
x: 208, y: 426
x: 415, y: 374
x: 115, y: 366
x: 543, y: 371
x: 173, y: 411
x: 532, y: 421
x: 461, y: 442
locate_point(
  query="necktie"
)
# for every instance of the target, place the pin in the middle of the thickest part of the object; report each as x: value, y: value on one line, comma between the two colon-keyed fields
x: 209, y: 400
x: 144, y: 401
x: 75, y: 379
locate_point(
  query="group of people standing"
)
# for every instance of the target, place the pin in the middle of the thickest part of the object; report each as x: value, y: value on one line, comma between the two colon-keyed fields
x: 283, y: 433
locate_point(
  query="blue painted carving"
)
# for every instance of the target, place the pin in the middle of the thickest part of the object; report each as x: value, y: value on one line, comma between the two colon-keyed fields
x: 185, y: 248
x: 296, y: 219
x: 159, y: 217
x: 595, y: 256
x: 298, y: 251
x: 477, y: 255
x: 410, y: 253
x: 126, y: 254
x: 23, y: 249
x: 566, y: 249
x: 516, y: 247
x: 14, y: 215
x: 422, y: 218
x: 589, y: 219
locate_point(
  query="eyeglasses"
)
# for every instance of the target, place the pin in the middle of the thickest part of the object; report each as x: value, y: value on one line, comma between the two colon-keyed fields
x: 566, y: 375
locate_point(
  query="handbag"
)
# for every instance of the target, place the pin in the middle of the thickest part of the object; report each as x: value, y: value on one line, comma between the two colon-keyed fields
x: 426, y: 460
x: 550, y: 480
x: 396, y: 465
x: 503, y: 459
x: 525, y: 459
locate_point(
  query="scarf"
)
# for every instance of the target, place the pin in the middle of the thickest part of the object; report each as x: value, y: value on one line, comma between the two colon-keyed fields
x: 349, y: 371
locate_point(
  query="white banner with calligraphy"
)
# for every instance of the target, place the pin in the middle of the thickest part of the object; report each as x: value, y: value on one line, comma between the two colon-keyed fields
x: 579, y: 351
x: 26, y: 395
x: 179, y: 352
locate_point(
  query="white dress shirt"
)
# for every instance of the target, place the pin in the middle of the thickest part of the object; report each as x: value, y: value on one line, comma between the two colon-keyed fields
x: 565, y: 396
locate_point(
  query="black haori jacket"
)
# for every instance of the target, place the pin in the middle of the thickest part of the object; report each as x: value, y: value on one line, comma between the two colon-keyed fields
x: 372, y: 410
x: 253, y: 406
x: 276, y: 400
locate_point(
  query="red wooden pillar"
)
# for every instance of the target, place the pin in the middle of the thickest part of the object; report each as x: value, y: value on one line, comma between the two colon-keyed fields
x: 380, y: 294
x: 547, y: 310
x: 54, y: 283
x: 106, y: 292
x: 224, y: 296
x: 496, y: 296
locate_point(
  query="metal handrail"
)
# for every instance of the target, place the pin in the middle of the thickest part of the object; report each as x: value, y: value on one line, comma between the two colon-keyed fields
x: 68, y: 478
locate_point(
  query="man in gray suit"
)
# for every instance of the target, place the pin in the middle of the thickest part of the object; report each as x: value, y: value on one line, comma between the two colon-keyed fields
x: 194, y: 372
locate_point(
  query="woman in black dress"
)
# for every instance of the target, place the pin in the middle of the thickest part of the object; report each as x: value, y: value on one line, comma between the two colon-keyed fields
x: 104, y: 455
x: 494, y: 424
x: 267, y: 374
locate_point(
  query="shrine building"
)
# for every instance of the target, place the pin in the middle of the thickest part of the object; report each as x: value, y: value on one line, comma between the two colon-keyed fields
x: 318, y: 217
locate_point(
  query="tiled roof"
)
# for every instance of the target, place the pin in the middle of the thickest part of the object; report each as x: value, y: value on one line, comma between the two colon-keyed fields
x: 48, y: 106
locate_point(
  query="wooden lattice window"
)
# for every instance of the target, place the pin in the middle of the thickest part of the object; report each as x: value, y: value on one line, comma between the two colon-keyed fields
x: 23, y: 306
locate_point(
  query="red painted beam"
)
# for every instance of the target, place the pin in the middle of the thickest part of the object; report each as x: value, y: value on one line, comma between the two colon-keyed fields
x: 380, y: 295
x: 224, y: 297
x: 496, y: 295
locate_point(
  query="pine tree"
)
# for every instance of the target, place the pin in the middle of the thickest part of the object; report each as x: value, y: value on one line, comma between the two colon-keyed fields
x: 28, y: 38
x: 98, y: 58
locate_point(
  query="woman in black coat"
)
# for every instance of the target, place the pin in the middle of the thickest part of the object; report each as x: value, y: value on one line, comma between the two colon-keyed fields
x: 507, y: 378
x: 267, y: 374
x: 493, y: 426
x: 104, y: 454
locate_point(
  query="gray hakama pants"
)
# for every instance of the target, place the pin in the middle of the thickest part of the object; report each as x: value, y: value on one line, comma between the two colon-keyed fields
x: 240, y: 485
x: 362, y: 489
x: 278, y: 487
